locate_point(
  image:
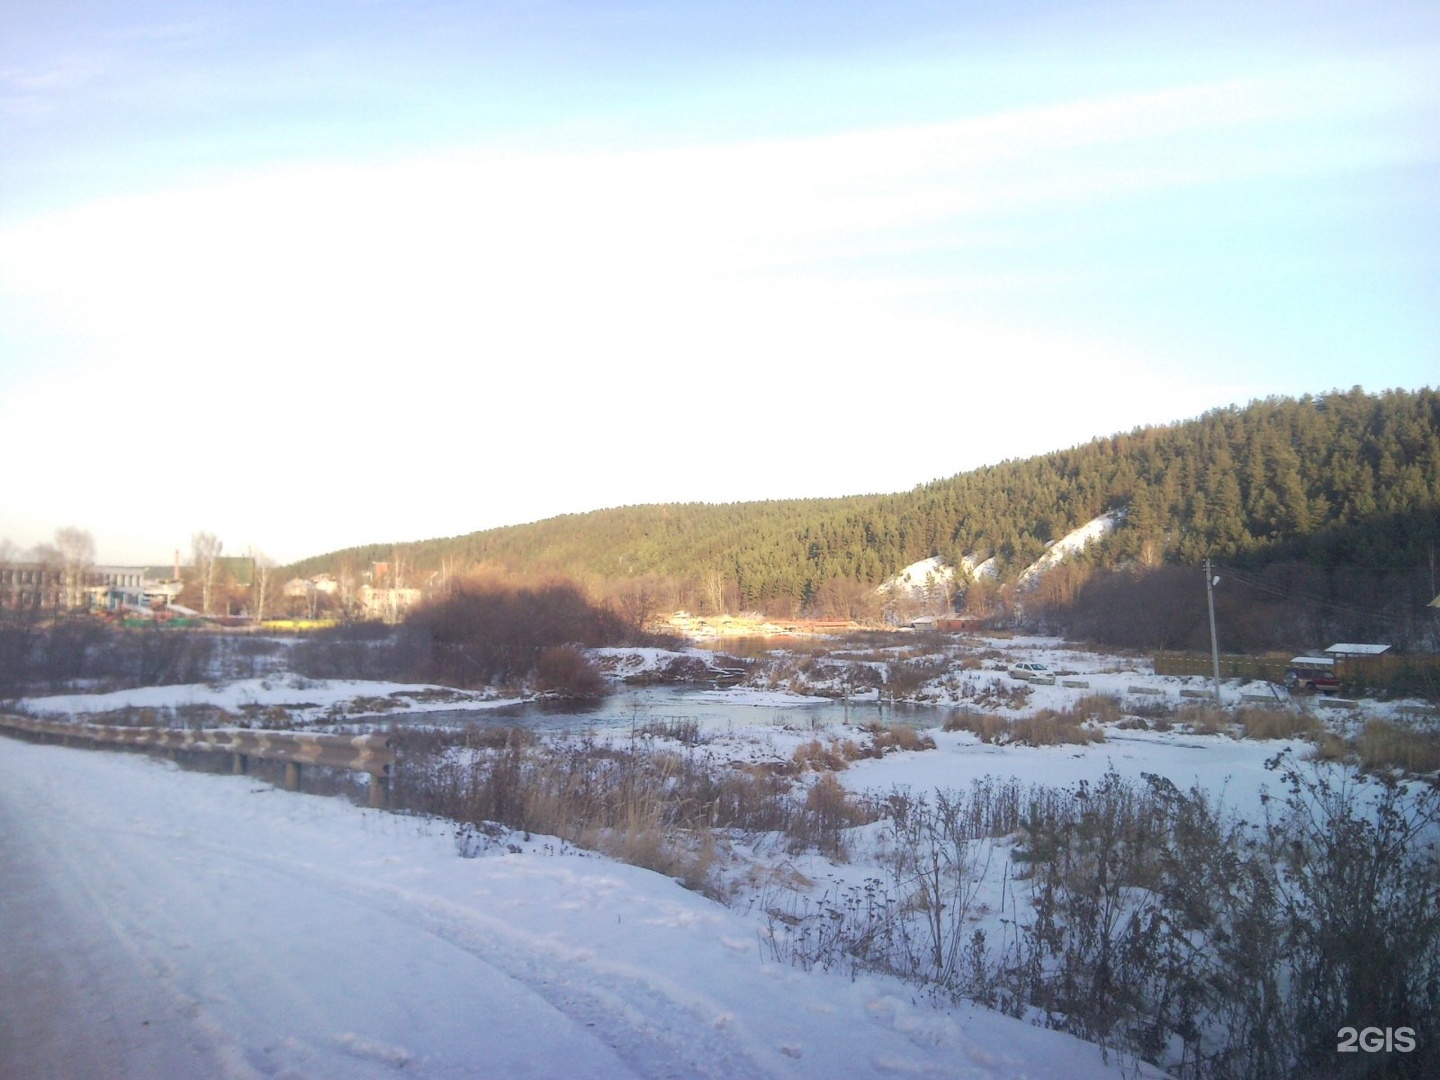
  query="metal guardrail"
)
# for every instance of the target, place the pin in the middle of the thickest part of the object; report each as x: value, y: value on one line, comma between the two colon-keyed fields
x: 371, y: 754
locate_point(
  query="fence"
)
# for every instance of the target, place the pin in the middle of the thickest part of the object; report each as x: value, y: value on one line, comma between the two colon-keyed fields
x: 371, y: 754
x: 1267, y: 668
x: 1410, y: 671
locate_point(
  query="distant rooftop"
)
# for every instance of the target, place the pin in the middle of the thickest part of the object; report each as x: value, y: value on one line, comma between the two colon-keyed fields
x: 1351, y: 649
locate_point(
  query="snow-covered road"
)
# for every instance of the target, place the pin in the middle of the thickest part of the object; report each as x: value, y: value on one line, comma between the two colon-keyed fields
x: 155, y: 922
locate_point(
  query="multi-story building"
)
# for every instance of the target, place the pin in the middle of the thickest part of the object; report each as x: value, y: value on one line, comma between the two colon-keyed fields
x: 31, y: 586
x: 49, y: 587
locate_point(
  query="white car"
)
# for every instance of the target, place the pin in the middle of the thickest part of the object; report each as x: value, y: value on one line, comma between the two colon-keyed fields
x: 1031, y: 672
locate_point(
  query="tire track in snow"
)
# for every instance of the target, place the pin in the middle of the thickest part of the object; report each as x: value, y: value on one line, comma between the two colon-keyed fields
x: 117, y: 1011
x: 152, y: 878
x: 659, y: 1036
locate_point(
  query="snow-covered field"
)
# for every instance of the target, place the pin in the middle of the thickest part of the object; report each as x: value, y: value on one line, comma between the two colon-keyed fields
x: 181, y: 924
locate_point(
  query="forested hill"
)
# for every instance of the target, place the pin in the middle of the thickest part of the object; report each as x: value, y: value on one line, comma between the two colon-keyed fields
x: 1340, y: 479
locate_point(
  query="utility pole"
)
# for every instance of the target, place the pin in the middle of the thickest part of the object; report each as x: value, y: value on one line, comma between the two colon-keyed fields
x: 1210, y: 583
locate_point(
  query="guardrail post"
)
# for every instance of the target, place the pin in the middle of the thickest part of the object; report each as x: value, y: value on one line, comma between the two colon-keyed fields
x: 292, y: 776
x: 380, y: 790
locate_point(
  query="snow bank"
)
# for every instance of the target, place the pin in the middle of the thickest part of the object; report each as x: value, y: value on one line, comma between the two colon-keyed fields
x: 306, y: 700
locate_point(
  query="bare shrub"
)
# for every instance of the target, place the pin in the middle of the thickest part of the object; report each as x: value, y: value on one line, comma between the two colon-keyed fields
x: 1002, y: 695
x: 685, y: 669
x: 1096, y: 860
x: 914, y: 921
x: 1154, y: 922
x: 850, y: 928
x: 565, y: 671
x: 906, y: 678
x: 1167, y: 928
x: 750, y: 799
x: 486, y: 633
x: 48, y: 657
x: 938, y: 863
x: 1359, y: 889
x: 829, y: 810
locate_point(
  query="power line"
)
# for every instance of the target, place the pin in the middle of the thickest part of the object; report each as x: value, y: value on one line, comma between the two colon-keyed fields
x: 1297, y: 595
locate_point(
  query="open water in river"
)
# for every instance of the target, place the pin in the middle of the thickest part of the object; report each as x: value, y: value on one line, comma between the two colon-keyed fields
x: 639, y: 706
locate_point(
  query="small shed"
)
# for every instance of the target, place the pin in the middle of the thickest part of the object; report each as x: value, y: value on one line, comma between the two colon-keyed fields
x: 1351, y: 649
x: 1357, y: 659
x: 959, y: 624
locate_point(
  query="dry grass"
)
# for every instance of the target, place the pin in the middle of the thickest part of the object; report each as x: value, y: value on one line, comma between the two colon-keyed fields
x: 1277, y: 724
x: 986, y: 726
x: 1051, y: 728
x: 1100, y: 708
x: 1330, y: 747
x: 830, y: 810
x: 1382, y: 746
x: 1072, y: 726
x: 887, y: 737
x: 829, y: 756
x: 1205, y: 719
x: 682, y: 729
x: 999, y: 695
x: 658, y: 807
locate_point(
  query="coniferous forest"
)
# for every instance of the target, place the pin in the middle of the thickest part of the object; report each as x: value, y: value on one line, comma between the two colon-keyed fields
x: 1323, y: 509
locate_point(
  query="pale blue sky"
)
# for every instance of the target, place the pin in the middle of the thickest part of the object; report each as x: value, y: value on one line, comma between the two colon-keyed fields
x: 323, y: 274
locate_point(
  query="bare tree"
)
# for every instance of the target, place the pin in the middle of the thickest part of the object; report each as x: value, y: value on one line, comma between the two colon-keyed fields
x: 714, y: 586
x: 47, y: 591
x: 449, y: 571
x: 8, y: 558
x: 348, y: 588
x: 400, y: 559
x: 206, y: 548
x: 638, y: 602
x: 260, y: 585
x: 76, y: 549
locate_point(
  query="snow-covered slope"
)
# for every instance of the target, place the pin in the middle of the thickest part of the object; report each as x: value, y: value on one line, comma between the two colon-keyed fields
x: 927, y: 579
x: 933, y: 578
x: 1070, y: 544
x: 984, y: 568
